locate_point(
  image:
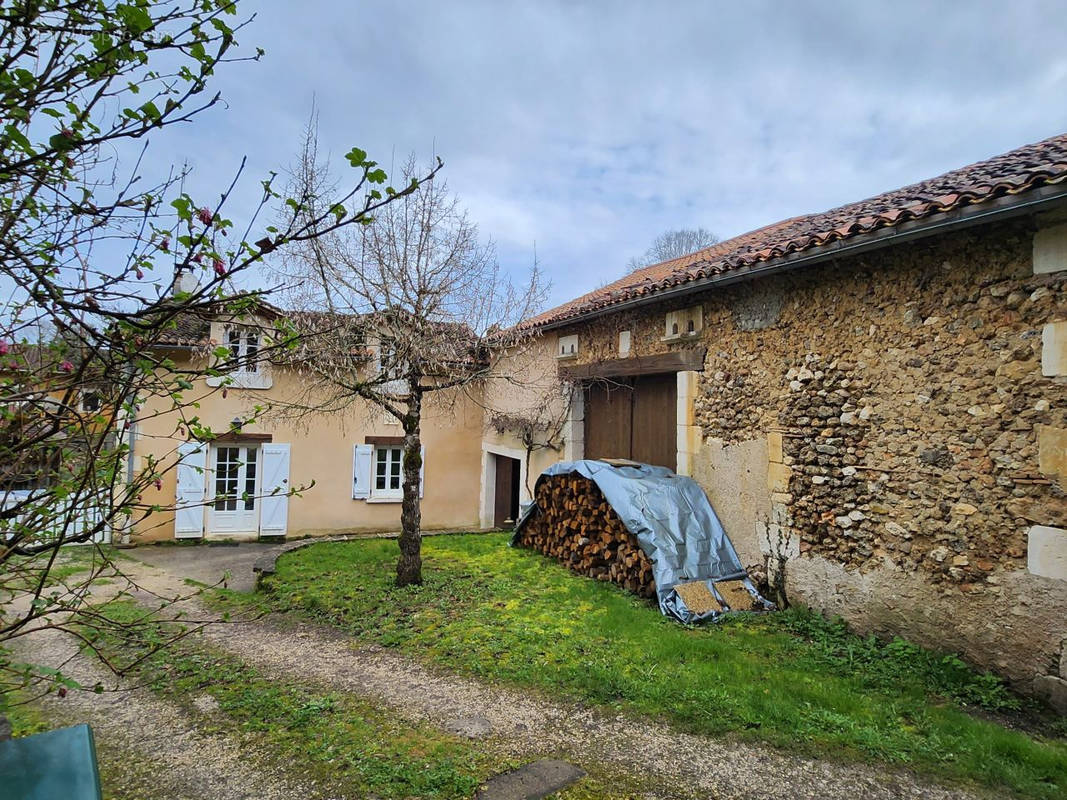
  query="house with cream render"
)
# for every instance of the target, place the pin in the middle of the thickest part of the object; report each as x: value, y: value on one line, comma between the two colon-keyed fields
x: 281, y: 475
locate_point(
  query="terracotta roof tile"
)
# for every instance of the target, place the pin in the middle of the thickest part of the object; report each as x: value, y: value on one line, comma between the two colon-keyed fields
x: 1011, y: 173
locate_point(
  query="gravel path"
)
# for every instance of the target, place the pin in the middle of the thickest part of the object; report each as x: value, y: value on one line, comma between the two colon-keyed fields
x: 524, y: 724
x: 150, y: 748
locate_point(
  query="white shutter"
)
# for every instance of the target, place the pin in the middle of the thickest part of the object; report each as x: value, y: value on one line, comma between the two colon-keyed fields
x: 189, y: 505
x: 422, y: 470
x: 362, y: 455
x: 274, y: 506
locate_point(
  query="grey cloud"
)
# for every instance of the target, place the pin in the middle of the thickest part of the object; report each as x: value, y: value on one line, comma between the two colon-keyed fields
x: 590, y: 127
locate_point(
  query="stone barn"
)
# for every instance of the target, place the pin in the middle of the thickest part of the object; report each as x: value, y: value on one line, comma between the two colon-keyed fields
x: 873, y: 397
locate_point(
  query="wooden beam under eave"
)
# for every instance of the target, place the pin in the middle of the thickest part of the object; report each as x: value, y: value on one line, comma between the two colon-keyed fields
x: 677, y: 361
x: 230, y: 438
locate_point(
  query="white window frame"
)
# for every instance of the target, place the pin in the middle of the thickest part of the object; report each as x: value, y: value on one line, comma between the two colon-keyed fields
x: 249, y: 370
x: 244, y: 344
x: 386, y: 493
x: 84, y: 401
x: 389, y: 366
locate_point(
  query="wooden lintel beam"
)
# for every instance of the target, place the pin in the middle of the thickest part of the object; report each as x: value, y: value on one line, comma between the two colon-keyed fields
x: 385, y: 441
x: 676, y: 361
x: 243, y: 438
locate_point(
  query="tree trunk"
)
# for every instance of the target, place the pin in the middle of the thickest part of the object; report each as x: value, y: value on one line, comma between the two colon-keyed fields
x: 409, y: 567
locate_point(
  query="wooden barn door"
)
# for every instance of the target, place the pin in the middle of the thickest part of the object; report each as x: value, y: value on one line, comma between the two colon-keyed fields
x: 654, y: 437
x: 634, y: 418
x: 608, y: 418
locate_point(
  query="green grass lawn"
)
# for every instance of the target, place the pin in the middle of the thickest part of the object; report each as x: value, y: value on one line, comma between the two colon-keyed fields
x: 792, y: 679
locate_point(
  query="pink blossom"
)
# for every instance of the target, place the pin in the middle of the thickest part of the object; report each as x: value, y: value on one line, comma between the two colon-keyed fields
x: 140, y: 273
x: 159, y: 484
x: 198, y: 258
x: 204, y: 215
x: 220, y: 267
x: 3, y: 348
x: 66, y: 366
x: 165, y: 244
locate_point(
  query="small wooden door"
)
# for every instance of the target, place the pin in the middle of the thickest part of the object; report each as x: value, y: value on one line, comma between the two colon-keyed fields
x: 506, y: 498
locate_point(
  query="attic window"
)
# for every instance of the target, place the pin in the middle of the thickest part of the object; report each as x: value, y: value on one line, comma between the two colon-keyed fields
x: 674, y: 329
x: 391, y: 366
x: 242, y: 360
x: 244, y: 348
x: 90, y: 402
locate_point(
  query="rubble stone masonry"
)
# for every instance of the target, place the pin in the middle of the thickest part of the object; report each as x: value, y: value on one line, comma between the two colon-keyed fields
x: 913, y: 406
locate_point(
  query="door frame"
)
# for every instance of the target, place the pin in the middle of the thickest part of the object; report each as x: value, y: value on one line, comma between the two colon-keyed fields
x: 505, y: 496
x: 487, y: 499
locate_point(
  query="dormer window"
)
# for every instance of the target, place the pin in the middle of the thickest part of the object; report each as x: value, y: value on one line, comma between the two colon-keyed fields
x: 244, y: 349
x: 390, y: 366
x: 90, y: 402
x: 240, y: 357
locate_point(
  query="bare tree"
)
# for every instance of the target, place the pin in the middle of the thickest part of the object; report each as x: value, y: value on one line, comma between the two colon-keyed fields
x: 88, y: 254
x: 673, y: 244
x: 409, y: 305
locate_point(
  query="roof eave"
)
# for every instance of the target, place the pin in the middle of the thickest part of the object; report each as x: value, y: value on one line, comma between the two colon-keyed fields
x: 1001, y: 208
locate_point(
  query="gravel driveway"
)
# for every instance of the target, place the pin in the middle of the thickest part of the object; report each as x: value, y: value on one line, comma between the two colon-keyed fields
x: 208, y: 563
x: 520, y: 723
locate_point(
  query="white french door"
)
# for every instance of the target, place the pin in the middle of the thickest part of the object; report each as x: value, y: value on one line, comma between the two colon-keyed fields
x: 234, y: 484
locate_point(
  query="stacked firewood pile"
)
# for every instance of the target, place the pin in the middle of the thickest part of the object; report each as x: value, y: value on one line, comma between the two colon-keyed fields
x: 576, y: 525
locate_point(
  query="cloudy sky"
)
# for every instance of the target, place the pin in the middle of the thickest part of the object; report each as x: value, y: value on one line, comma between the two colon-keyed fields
x: 583, y: 129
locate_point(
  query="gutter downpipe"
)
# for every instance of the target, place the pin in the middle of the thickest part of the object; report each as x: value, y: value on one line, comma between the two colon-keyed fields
x: 131, y: 437
x: 885, y: 237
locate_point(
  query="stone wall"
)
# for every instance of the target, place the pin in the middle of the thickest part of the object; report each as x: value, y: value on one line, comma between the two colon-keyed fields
x: 914, y: 439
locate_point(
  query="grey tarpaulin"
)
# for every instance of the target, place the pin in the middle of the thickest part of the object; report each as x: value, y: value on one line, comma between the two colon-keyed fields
x: 674, y: 523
